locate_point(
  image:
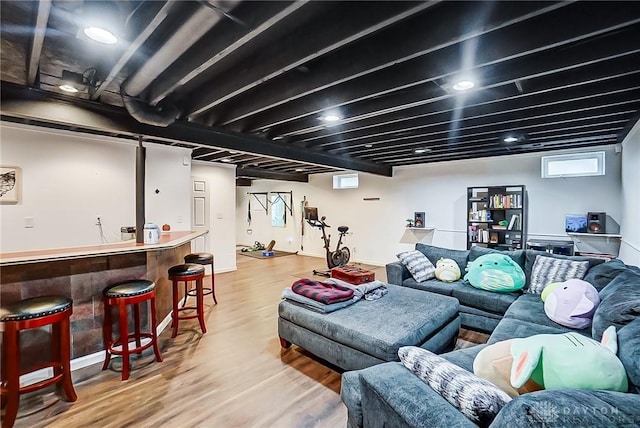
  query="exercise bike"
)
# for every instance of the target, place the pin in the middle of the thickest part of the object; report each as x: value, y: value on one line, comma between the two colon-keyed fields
x: 338, y: 257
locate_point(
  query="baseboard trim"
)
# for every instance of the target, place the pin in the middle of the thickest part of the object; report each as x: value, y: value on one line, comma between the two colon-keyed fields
x: 81, y: 362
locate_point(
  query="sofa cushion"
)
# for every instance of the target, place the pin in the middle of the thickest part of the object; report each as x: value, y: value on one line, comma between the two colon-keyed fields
x: 432, y: 285
x: 464, y: 357
x: 570, y: 408
x: 629, y: 352
x: 486, y: 300
x: 530, y: 258
x: 510, y: 328
x: 619, y: 303
x: 517, y: 255
x: 546, y: 270
x: 530, y: 308
x: 476, y: 398
x: 601, y: 275
x: 418, y: 265
x: 436, y: 253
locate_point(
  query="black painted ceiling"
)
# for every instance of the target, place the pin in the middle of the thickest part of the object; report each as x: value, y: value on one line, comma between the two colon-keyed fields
x: 247, y: 82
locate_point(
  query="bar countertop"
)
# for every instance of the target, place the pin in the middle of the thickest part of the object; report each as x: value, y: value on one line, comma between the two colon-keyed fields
x: 167, y: 240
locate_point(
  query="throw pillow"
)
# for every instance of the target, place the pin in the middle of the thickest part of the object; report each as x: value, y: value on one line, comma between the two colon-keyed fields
x: 572, y: 303
x: 477, y: 398
x: 569, y: 360
x: 447, y: 270
x: 553, y: 361
x: 548, y: 269
x: 418, y: 265
x: 495, y: 272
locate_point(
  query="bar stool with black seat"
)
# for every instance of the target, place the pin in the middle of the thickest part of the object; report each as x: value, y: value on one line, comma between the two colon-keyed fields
x: 27, y: 314
x: 121, y: 295
x: 185, y: 273
x: 203, y: 259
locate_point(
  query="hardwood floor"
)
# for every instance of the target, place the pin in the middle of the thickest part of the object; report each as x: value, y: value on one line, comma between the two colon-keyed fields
x: 235, y: 375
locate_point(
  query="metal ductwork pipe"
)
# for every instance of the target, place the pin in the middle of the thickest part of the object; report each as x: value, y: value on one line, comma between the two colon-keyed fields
x: 163, y: 114
x: 197, y: 25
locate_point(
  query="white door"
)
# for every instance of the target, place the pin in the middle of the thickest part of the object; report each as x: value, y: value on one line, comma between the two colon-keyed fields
x: 200, y: 213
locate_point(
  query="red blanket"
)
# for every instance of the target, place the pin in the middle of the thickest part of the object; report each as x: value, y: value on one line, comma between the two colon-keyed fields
x: 323, y: 292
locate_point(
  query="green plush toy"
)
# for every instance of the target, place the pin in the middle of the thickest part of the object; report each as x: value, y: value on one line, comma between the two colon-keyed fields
x: 447, y: 270
x: 495, y: 272
x: 570, y: 360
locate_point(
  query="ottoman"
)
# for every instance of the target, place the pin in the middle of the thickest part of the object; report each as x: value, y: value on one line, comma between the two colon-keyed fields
x: 370, y: 332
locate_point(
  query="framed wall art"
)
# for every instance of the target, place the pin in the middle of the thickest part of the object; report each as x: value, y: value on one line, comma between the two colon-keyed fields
x: 10, y: 181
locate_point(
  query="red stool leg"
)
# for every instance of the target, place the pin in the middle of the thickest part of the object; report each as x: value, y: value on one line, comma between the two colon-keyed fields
x: 136, y: 321
x: 11, y: 362
x: 200, y: 303
x: 156, y: 350
x: 213, y: 285
x: 106, y: 332
x: 124, y: 338
x: 64, y: 347
x: 174, y: 313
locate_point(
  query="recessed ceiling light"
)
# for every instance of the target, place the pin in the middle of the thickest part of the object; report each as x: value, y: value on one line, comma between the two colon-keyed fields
x: 69, y: 88
x: 368, y: 146
x: 421, y: 150
x: 330, y: 118
x: 225, y: 160
x: 101, y: 35
x: 510, y: 139
x: 299, y: 169
x: 463, y: 85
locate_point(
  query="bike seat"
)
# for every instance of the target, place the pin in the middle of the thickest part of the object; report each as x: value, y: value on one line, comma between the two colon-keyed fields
x: 343, y: 229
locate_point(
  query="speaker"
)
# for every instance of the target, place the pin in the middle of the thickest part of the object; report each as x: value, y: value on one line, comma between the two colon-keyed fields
x: 596, y: 222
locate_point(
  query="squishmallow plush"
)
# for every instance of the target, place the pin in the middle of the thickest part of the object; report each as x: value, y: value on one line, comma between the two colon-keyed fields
x: 553, y: 361
x: 572, y: 303
x: 495, y: 272
x: 548, y: 289
x: 447, y: 270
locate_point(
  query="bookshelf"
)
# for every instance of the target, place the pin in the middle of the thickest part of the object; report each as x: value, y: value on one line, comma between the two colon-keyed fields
x: 497, y: 217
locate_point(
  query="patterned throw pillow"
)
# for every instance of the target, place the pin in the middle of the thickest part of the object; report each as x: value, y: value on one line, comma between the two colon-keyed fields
x: 418, y: 265
x: 546, y: 270
x: 477, y: 398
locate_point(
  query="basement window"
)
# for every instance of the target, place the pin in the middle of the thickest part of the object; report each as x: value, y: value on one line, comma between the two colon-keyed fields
x: 345, y: 181
x: 573, y: 165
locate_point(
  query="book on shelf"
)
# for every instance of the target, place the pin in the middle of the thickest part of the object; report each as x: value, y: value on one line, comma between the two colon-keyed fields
x: 498, y: 227
x: 514, y: 223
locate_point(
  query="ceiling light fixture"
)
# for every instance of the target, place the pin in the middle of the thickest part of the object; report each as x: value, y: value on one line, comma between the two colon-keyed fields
x: 225, y: 160
x: 101, y: 35
x: 68, y: 88
x: 101, y: 21
x: 368, y: 146
x: 330, y: 118
x: 299, y: 169
x: 463, y: 85
x: 421, y: 150
x: 510, y: 139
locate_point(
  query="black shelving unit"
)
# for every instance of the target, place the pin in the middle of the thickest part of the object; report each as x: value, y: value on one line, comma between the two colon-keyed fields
x: 497, y: 217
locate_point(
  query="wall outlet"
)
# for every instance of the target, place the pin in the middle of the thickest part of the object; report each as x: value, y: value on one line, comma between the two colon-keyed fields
x: 98, y: 220
x: 353, y: 250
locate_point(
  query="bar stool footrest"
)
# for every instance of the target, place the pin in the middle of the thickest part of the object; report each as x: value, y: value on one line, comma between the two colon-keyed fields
x: 205, y: 291
x: 132, y: 350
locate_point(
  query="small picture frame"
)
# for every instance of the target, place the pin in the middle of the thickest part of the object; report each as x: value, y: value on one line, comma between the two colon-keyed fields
x: 10, y: 181
x: 418, y: 219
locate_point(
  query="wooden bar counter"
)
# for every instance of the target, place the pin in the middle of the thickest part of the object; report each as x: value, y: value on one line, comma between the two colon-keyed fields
x: 81, y: 273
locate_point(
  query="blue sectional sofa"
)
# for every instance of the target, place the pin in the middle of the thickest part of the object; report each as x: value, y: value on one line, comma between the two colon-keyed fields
x: 389, y: 395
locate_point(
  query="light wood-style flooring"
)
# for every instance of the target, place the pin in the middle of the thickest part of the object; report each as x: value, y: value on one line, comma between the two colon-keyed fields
x: 235, y: 375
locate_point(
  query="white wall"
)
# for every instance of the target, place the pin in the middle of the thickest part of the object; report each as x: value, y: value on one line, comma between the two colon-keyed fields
x: 70, y: 178
x: 439, y: 190
x: 630, y: 230
x: 220, y: 179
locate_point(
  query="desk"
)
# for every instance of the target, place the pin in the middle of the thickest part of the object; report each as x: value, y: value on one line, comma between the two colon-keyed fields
x: 82, y: 272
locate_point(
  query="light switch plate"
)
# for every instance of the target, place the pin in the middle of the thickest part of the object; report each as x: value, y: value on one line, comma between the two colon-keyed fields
x: 29, y: 222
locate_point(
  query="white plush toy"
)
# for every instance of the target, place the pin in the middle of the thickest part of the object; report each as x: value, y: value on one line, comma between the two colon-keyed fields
x: 447, y: 270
